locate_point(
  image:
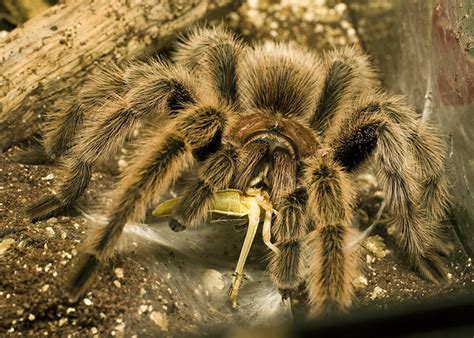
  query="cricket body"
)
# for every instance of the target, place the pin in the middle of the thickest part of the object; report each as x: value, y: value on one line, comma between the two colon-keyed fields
x: 234, y: 203
x: 277, y: 117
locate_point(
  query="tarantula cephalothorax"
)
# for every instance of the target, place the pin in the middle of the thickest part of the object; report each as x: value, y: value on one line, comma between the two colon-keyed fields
x: 302, y: 122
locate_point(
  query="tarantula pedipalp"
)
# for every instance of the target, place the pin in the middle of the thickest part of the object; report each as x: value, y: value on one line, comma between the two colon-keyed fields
x: 301, y: 123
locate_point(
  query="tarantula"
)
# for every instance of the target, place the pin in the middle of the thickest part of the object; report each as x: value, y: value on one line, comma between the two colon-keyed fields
x: 305, y: 123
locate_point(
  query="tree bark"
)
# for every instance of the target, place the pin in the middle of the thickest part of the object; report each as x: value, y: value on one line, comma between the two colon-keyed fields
x: 50, y: 56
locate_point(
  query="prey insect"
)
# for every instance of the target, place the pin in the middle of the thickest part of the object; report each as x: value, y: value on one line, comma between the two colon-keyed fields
x: 254, y: 205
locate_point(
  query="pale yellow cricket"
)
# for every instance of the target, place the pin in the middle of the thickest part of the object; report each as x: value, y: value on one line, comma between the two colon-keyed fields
x: 253, y: 204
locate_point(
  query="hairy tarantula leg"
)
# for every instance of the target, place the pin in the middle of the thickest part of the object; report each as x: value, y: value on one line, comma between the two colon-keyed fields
x: 153, y: 174
x: 289, y: 230
x: 170, y: 88
x: 159, y: 162
x: 213, y: 53
x: 290, y: 225
x: 421, y: 239
x: 215, y: 174
x: 332, y: 264
x: 429, y: 156
x: 414, y: 233
x: 348, y: 72
x: 35, y: 153
x: 384, y: 135
x: 65, y: 125
x: 254, y: 220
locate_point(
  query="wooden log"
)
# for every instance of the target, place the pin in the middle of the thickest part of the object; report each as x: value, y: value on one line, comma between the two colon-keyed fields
x: 50, y: 56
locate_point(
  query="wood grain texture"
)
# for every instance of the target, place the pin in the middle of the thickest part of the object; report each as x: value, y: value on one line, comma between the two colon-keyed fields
x: 45, y: 61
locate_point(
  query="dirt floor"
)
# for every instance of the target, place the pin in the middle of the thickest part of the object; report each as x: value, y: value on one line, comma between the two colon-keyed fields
x: 34, y: 265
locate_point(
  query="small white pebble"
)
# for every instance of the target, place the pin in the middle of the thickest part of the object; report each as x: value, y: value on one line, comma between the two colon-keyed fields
x: 48, y: 177
x: 70, y: 310
x: 370, y: 259
x: 142, y: 309
x: 47, y: 267
x: 52, y: 220
x: 62, y: 321
x: 5, y: 245
x: 120, y: 328
x: 119, y: 272
x: 94, y: 330
x: 50, y: 231
x: 64, y: 235
x: 45, y: 288
x: 88, y: 302
x: 449, y: 275
x: 361, y: 282
x: 376, y: 245
x: 377, y: 293
x: 117, y: 284
x: 340, y: 8
x: 31, y: 317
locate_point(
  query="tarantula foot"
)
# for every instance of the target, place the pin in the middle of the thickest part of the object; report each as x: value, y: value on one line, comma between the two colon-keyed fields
x: 285, y: 293
x: 47, y: 207
x: 329, y: 308
x: 294, y: 292
x: 176, y: 226
x: 444, y: 248
x: 431, y: 266
x: 36, y: 154
x: 83, y: 276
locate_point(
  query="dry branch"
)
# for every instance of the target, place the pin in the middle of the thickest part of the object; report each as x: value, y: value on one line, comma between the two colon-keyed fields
x: 49, y: 57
